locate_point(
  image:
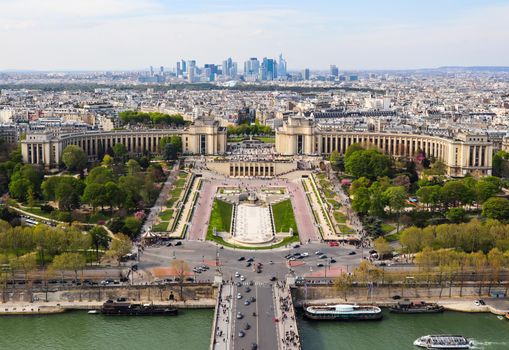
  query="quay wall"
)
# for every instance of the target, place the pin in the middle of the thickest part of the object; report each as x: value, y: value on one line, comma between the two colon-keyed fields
x: 191, y: 294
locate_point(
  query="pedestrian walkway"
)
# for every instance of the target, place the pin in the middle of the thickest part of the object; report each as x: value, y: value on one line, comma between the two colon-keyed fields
x: 221, y: 336
x: 288, y: 333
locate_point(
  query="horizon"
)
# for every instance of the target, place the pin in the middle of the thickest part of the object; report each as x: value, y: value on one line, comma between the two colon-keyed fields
x: 118, y: 35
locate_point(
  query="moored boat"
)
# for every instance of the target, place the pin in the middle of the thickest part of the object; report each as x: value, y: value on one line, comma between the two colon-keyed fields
x: 443, y: 342
x: 343, y: 312
x: 408, y: 307
x: 111, y: 307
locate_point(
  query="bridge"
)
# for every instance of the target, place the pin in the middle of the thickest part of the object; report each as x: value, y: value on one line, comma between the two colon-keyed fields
x: 253, y: 315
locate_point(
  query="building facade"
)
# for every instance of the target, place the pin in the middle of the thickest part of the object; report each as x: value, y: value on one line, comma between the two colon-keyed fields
x: 462, y: 155
x: 204, y: 137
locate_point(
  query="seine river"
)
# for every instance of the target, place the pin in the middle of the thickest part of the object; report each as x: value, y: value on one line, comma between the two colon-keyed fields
x: 191, y: 331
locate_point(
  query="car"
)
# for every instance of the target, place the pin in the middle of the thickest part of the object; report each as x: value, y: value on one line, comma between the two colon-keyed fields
x: 333, y: 244
x: 247, y: 326
x: 396, y: 297
x: 254, y: 346
x: 134, y: 267
x: 247, y: 290
x: 241, y: 334
x: 296, y: 246
x: 205, y: 267
x: 237, y: 274
x: 292, y: 258
x: 238, y: 284
x: 242, y: 278
x: 273, y: 278
x: 239, y: 315
x: 319, y: 265
x: 248, y: 264
x: 178, y: 243
x: 251, y: 283
x: 169, y: 244
x: 250, y: 260
x: 318, y: 253
x: 247, y: 303
x: 252, y: 299
x: 239, y: 296
x: 305, y: 254
x: 482, y: 302
x: 323, y: 256
x: 241, y: 258
x: 189, y: 279
x: 477, y: 303
x: 288, y: 256
x: 332, y: 261
x: 352, y: 253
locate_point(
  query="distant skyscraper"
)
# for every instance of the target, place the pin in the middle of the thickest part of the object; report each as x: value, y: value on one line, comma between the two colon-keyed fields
x: 191, y: 67
x: 251, y: 68
x: 268, y: 69
x: 227, y: 68
x: 306, y: 74
x: 334, y: 71
x: 281, y: 67
x: 178, y: 72
x: 151, y: 71
x: 161, y: 70
x: 184, y: 67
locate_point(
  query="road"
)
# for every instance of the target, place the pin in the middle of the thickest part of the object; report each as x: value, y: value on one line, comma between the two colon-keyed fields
x: 197, y: 253
x: 262, y: 330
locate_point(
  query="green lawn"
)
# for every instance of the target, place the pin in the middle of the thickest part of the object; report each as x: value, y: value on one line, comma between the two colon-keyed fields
x: 220, y: 217
x: 266, y: 139
x: 166, y: 215
x: 284, y: 218
x: 345, y: 230
x: 180, y: 182
x: 386, y: 228
x: 392, y: 238
x: 161, y: 227
x: 340, y: 218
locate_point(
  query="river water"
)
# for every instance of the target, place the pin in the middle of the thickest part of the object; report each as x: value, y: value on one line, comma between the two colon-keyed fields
x: 191, y: 331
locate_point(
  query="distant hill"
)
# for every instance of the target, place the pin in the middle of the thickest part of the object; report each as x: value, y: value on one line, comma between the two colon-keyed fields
x: 476, y: 68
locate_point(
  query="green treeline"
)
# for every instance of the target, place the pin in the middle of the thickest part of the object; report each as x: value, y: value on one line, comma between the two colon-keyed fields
x: 245, y: 129
x: 152, y: 118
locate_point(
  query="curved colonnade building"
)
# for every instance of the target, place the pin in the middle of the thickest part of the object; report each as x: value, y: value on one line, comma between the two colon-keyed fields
x: 462, y: 154
x: 203, y: 137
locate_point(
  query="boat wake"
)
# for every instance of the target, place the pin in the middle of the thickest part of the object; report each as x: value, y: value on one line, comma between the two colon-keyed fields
x: 487, y: 344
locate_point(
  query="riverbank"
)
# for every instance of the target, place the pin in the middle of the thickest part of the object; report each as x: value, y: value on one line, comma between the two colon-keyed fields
x: 43, y: 308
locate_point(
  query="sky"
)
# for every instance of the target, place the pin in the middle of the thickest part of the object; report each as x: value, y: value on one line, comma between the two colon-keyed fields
x: 353, y: 34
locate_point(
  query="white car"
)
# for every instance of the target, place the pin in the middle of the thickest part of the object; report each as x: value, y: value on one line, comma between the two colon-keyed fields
x: 237, y: 274
x: 242, y: 278
x: 305, y: 254
x: 477, y: 303
x: 318, y: 253
x: 239, y: 296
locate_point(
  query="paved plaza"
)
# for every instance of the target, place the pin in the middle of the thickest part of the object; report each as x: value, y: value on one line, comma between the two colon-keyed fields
x: 308, y: 231
x: 253, y: 224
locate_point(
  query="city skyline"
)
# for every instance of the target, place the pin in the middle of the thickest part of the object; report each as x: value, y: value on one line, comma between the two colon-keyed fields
x: 134, y: 34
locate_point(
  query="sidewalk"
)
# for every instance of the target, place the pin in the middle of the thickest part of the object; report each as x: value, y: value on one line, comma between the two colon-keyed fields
x: 288, y: 332
x: 222, y: 337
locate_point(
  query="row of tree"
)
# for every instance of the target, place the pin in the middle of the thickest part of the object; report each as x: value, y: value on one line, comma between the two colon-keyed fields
x: 246, y: 129
x: 151, y: 118
x: 468, y: 237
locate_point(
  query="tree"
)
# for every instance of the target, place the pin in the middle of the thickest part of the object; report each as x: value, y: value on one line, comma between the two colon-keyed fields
x: 456, y: 215
x: 402, y: 180
x: 354, y: 147
x: 396, y: 197
x: 74, y: 158
x: 94, y: 195
x: 377, y: 200
x: 69, y: 261
x: 120, y: 246
x: 68, y: 192
x: 496, y: 262
x: 343, y: 285
x: 382, y: 247
x: 411, y: 239
x: 100, y: 239
x: 119, y: 152
x: 25, y: 263
x: 107, y: 160
x: 112, y: 195
x: 496, y: 208
x: 368, y: 163
x: 133, y: 167
x: 429, y: 195
x: 456, y: 193
x: 18, y: 189
x: 335, y: 159
x: 486, y: 189
x: 180, y: 270
x: 132, y: 226
x: 99, y: 175
x: 361, y: 200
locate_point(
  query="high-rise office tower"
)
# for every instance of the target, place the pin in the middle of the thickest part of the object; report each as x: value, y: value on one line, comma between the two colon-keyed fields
x: 184, y: 67
x: 251, y: 68
x: 281, y: 67
x: 227, y: 66
x: 151, y: 71
x: 161, y: 70
x: 306, y: 74
x: 268, y: 69
x: 191, y: 67
x: 334, y: 71
x: 178, y: 71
